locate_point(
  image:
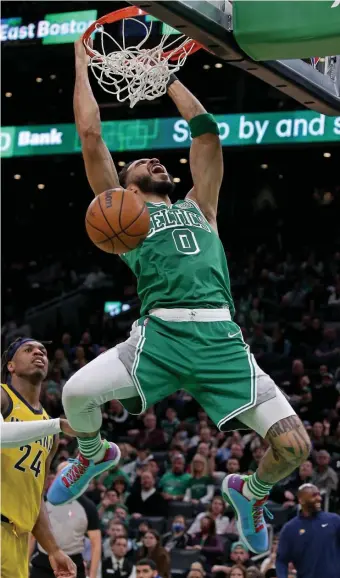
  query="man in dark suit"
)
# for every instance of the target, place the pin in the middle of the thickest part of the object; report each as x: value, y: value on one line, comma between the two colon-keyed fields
x: 117, y: 565
x: 146, y: 500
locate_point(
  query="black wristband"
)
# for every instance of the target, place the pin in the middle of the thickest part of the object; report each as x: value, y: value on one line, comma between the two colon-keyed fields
x: 172, y: 79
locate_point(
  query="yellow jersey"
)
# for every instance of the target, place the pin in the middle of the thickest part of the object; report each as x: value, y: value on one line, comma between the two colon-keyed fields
x: 23, y: 469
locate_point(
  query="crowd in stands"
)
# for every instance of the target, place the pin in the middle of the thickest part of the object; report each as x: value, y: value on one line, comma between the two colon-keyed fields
x: 161, y: 509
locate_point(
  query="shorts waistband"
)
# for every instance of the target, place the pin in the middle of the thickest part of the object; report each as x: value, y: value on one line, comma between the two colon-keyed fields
x: 200, y: 315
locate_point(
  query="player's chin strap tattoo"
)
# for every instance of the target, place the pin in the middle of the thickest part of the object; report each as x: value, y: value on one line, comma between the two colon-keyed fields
x: 289, y: 447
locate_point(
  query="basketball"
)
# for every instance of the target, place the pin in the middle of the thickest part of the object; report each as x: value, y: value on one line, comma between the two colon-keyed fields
x: 117, y: 221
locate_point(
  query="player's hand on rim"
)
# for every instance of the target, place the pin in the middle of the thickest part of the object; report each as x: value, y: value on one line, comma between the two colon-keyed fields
x: 80, y: 51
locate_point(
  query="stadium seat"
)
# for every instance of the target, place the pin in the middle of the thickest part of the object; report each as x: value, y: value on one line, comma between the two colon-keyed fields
x: 181, y: 508
x: 160, y: 456
x: 281, y: 516
x: 157, y: 523
x: 181, y: 560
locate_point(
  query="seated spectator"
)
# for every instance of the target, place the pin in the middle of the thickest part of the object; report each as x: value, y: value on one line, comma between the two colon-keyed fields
x: 217, y: 511
x: 117, y: 564
x: 151, y: 436
x: 232, y: 466
x: 324, y: 477
x: 253, y: 572
x: 121, y: 487
x: 107, y: 506
x: 174, y: 483
x: 170, y: 423
x: 201, y: 487
x: 319, y: 436
x: 260, y: 343
x: 114, y: 530
x: 147, y: 569
x: 178, y: 537
x: 153, y: 550
x: 121, y: 515
x: 143, y: 528
x: 107, y: 478
x: 239, y: 555
x: 330, y: 345
x: 257, y: 454
x: 334, y: 440
x: 134, y: 469
x: 207, y: 541
x: 146, y: 500
x: 238, y: 571
x: 302, y: 476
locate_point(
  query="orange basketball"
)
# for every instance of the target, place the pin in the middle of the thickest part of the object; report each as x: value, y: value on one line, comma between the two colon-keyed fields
x: 117, y: 221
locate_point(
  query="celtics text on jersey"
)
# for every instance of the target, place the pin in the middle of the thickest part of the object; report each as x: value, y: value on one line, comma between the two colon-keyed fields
x: 182, y: 262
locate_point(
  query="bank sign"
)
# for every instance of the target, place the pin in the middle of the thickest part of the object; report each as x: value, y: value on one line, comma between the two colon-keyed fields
x: 53, y: 29
x: 276, y: 128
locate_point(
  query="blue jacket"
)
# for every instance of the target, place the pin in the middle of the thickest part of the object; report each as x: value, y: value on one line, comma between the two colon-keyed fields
x: 312, y: 544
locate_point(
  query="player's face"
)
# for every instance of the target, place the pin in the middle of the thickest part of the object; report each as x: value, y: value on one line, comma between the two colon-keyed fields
x: 30, y: 361
x: 150, y: 177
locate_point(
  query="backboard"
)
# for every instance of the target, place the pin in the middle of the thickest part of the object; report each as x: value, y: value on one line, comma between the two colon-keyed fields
x: 211, y: 24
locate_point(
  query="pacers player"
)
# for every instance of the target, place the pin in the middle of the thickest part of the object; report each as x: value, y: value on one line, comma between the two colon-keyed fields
x: 185, y: 338
x: 23, y: 470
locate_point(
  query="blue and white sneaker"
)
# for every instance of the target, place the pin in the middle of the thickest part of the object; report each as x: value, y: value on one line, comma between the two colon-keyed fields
x: 250, y: 520
x: 75, y: 478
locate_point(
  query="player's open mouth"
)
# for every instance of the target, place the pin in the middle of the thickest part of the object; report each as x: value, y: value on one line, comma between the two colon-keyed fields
x: 39, y: 363
x: 157, y: 169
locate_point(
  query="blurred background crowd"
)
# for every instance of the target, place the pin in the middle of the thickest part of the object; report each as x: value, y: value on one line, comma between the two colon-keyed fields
x: 160, y: 512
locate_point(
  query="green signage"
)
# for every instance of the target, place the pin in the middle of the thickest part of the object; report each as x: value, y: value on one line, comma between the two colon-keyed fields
x: 173, y: 133
x: 53, y: 29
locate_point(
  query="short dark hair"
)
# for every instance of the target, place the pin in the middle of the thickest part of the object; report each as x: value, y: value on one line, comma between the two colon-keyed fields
x: 147, y: 562
x: 115, y: 538
x: 122, y: 176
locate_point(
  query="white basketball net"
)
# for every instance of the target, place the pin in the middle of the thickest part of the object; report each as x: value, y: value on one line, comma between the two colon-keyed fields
x: 135, y: 73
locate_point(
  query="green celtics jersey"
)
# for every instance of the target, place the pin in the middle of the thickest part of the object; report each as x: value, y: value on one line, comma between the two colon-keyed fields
x: 182, y: 262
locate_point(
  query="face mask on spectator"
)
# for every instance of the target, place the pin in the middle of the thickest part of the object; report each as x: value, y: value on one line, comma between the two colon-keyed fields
x: 177, y: 527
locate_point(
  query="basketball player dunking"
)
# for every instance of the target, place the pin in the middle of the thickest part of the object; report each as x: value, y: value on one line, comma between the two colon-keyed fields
x: 185, y: 337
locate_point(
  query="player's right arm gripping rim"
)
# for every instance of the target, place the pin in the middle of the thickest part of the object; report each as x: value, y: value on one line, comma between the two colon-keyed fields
x: 99, y: 166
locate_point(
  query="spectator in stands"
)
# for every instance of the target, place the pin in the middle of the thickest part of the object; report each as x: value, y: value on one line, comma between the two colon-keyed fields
x: 324, y: 477
x: 217, y: 511
x: 238, y: 571
x: 174, y: 483
x: 207, y: 541
x: 114, y: 530
x: 170, y: 423
x: 107, y: 478
x: 146, y: 569
x: 200, y: 487
x: 310, y: 540
x: 151, y: 436
x: 117, y: 565
x: 334, y: 440
x: 329, y: 346
x: 121, y: 514
x: 233, y: 466
x: 302, y: 476
x: 253, y: 572
x: 257, y: 454
x: 145, y: 500
x: 60, y: 362
x: 107, y: 507
x: 178, y: 537
x: 318, y: 437
x: 260, y: 343
x: 239, y: 554
x: 153, y: 550
x: 121, y: 488
x: 137, y: 541
x: 134, y: 469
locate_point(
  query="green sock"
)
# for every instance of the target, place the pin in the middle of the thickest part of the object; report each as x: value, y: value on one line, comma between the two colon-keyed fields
x: 92, y: 447
x: 255, y: 488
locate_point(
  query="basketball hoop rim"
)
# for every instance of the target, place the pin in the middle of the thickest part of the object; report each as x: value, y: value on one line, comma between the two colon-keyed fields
x: 132, y: 12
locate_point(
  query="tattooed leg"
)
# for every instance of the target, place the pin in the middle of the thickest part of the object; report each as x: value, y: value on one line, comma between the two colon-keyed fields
x: 289, y: 447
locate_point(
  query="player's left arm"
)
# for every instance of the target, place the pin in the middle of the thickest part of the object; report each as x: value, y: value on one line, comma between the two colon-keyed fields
x: 206, y: 159
x: 61, y: 564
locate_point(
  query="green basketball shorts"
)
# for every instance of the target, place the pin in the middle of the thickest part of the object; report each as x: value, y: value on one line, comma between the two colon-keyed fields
x: 201, y: 351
